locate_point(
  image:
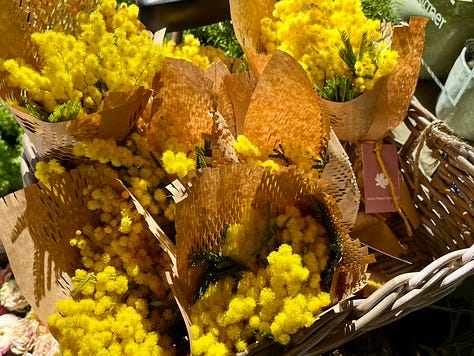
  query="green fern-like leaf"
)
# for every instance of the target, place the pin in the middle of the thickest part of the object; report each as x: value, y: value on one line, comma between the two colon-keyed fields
x: 337, y: 89
x: 346, y: 52
x: 218, y: 266
x: 66, y: 112
x: 363, y: 45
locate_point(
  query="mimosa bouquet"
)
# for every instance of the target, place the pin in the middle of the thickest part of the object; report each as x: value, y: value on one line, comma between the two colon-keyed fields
x: 120, y: 230
x: 91, y: 74
x: 273, y: 257
x: 345, y: 55
x: 109, y: 51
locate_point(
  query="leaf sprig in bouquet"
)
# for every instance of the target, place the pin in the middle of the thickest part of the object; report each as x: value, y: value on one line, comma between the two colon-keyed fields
x: 343, y: 52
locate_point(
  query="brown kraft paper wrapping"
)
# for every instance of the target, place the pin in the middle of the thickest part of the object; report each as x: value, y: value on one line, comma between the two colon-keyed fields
x: 184, y: 98
x: 120, y: 113
x: 399, y: 86
x: 218, y: 196
x: 36, y: 235
x: 284, y: 108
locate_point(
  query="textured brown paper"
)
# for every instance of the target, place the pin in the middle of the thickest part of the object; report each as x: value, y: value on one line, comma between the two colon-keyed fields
x: 341, y: 182
x: 351, y: 119
x: 37, y: 224
x: 239, y: 88
x: 217, y: 72
x: 222, y: 142
x: 399, y: 86
x: 218, y: 196
x: 184, y: 98
x: 120, y: 113
x: 284, y: 108
x: 373, y: 231
x: 246, y: 16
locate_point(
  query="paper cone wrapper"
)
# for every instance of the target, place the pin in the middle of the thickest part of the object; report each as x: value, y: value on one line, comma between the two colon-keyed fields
x: 184, y: 98
x: 218, y: 196
x: 37, y: 223
x: 284, y: 108
x: 350, y: 120
x: 239, y: 88
x: 399, y: 86
x: 246, y: 16
x: 342, y: 183
x: 120, y: 113
x: 217, y: 72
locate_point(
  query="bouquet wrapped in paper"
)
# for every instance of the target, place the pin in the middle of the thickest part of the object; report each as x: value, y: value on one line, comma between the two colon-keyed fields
x: 353, y: 62
x: 70, y: 77
x: 120, y: 246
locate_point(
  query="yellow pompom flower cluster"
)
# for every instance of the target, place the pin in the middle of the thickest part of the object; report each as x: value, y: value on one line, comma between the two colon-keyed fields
x: 44, y: 170
x: 244, y: 147
x: 288, y: 154
x: 111, y: 51
x: 249, y: 153
x: 192, y: 51
x: 123, y: 274
x: 136, y: 166
x: 311, y: 32
x: 279, y: 294
x: 178, y: 163
x: 122, y: 303
x: 102, y: 327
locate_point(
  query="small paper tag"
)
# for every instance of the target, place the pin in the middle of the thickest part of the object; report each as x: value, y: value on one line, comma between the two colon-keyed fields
x: 177, y: 190
x: 378, y: 195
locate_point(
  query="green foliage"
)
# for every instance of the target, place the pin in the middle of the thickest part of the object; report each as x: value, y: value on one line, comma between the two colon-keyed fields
x: 337, y: 89
x: 65, y: 112
x: 383, y: 10
x: 10, y: 152
x: 347, y: 53
x: 219, y: 266
x: 220, y: 35
x: 340, y: 89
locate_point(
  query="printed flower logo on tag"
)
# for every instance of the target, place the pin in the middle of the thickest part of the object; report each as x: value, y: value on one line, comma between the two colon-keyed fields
x: 381, y: 181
